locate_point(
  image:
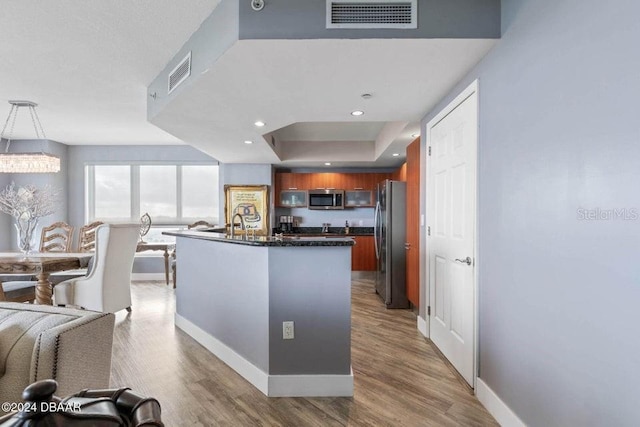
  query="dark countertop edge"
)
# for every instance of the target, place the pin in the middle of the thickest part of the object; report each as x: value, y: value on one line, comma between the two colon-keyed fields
x: 264, y: 241
x: 337, y: 231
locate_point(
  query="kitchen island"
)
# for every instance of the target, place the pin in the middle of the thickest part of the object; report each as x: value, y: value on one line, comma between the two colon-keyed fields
x: 233, y: 295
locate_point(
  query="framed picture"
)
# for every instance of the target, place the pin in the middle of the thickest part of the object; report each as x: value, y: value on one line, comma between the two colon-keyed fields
x: 250, y: 201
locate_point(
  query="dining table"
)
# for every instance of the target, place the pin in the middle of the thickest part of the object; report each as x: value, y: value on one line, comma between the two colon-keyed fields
x: 41, y: 265
x: 165, y: 247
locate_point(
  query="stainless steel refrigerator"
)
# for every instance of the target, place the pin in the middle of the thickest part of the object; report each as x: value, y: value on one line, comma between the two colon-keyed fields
x: 390, y: 237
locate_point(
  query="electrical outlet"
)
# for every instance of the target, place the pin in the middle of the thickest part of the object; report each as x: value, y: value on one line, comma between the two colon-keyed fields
x: 287, y: 330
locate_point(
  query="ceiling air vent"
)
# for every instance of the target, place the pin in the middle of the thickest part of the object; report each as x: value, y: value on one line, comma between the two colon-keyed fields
x: 372, y: 14
x: 180, y: 73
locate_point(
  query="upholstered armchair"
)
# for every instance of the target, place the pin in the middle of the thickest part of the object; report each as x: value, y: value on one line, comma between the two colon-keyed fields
x: 107, y: 287
x: 42, y: 342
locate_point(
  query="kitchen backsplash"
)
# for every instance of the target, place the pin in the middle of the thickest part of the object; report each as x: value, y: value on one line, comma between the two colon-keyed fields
x: 357, y: 217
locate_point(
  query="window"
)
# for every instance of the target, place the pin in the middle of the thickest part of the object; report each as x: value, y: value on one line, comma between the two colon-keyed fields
x: 170, y: 193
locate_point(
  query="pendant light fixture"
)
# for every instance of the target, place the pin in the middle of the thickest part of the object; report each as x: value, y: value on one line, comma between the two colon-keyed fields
x: 26, y: 162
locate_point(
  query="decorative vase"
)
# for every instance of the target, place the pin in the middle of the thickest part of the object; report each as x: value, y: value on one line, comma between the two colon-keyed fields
x: 26, y: 225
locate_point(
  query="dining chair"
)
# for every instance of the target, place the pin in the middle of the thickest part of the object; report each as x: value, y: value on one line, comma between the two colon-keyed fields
x: 87, y: 236
x: 53, y: 238
x: 107, y: 287
x: 56, y: 237
x: 196, y: 225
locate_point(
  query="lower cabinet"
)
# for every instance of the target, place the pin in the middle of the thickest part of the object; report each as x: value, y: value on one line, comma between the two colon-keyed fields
x: 363, y: 254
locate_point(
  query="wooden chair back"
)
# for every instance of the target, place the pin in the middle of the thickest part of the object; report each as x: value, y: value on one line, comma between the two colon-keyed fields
x: 87, y: 237
x: 56, y: 237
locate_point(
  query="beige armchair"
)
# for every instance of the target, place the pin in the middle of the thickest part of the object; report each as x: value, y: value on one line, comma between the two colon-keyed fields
x: 39, y: 342
x: 107, y: 287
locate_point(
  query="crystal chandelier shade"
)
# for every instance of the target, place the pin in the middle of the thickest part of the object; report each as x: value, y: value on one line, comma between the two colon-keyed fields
x: 26, y: 162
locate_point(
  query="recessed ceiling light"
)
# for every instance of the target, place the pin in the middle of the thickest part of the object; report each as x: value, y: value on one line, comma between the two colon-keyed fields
x: 357, y: 113
x: 327, y: 164
x: 395, y: 154
x: 259, y: 123
x: 366, y: 95
x: 248, y: 142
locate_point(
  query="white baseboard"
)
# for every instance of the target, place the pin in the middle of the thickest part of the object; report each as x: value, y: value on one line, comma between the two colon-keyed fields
x: 496, y: 407
x: 270, y: 385
x: 148, y: 276
x: 422, y: 327
x: 310, y: 385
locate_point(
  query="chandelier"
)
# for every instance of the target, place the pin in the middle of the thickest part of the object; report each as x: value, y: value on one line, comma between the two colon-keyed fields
x: 26, y: 162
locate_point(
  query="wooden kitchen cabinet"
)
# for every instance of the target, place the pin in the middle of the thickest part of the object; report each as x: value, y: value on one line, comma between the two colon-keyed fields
x: 363, y: 254
x: 293, y: 198
x: 359, y: 199
x: 413, y: 222
x: 293, y: 181
x: 360, y: 188
x: 291, y: 189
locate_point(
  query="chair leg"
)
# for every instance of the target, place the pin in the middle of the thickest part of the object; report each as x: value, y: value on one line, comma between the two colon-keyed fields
x: 129, y: 309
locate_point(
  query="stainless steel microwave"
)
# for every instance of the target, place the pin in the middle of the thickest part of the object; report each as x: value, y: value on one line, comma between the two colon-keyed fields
x: 326, y: 199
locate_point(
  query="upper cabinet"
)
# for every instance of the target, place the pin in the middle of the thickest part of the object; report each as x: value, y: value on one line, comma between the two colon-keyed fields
x: 360, y: 188
x: 292, y: 198
x: 359, y: 198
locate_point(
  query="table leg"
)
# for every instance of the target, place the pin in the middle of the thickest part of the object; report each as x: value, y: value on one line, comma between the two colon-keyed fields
x: 166, y: 265
x: 44, y: 291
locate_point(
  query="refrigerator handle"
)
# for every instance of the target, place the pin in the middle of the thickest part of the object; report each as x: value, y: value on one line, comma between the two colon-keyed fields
x: 375, y: 229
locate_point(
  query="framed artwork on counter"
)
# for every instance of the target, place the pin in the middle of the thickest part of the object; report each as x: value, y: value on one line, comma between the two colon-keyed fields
x: 252, y: 203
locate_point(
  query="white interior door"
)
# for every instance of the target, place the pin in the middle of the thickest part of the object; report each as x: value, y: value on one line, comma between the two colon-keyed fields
x: 451, y: 212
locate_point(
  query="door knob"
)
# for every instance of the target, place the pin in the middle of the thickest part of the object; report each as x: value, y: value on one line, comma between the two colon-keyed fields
x: 467, y: 260
x: 407, y: 246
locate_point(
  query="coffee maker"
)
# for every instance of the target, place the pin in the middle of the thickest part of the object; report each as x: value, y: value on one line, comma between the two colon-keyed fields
x: 286, y: 223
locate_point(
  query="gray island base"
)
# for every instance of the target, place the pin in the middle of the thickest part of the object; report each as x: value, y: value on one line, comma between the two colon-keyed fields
x: 233, y: 296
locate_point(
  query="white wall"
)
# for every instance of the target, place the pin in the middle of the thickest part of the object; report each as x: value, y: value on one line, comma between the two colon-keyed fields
x: 559, y: 132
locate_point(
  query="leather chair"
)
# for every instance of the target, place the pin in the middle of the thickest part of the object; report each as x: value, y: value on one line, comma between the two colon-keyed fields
x: 107, y: 288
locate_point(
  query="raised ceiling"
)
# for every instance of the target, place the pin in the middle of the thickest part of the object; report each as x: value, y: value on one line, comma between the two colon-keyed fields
x: 88, y: 63
x: 284, y: 82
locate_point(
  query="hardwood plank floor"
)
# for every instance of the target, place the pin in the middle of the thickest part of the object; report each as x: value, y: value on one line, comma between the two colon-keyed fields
x: 400, y: 380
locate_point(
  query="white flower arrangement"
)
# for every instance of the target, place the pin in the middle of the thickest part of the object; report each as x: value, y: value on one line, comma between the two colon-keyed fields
x: 27, y: 202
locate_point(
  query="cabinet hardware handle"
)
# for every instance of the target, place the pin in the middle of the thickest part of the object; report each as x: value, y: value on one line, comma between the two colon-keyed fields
x: 358, y: 188
x: 293, y: 188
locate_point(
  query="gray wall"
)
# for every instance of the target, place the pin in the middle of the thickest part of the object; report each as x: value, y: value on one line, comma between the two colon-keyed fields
x: 559, y: 131
x: 241, y: 295
x: 224, y: 289
x: 245, y: 174
x: 295, y: 19
x: 312, y: 287
x: 57, y: 181
x: 217, y: 33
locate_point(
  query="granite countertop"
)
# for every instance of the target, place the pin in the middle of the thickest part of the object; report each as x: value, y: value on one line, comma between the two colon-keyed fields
x: 264, y: 240
x: 333, y: 231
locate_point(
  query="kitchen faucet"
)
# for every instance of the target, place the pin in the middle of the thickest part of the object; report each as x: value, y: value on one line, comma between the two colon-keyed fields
x: 233, y: 224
